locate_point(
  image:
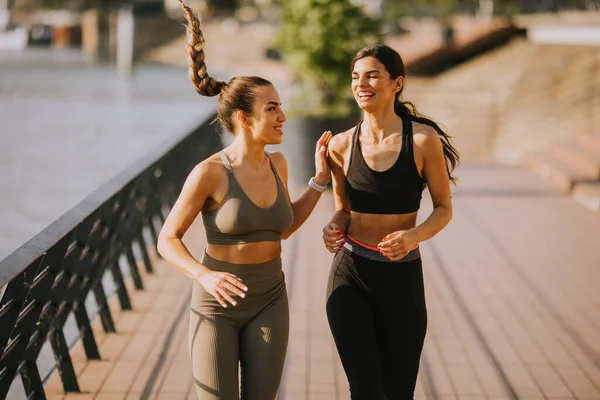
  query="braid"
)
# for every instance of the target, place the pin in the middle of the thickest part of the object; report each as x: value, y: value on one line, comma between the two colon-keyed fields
x: 204, y: 84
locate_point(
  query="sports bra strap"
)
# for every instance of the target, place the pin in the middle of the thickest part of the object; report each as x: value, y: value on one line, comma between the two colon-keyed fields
x: 354, y: 143
x: 226, y: 162
x: 274, y: 169
x: 407, y: 135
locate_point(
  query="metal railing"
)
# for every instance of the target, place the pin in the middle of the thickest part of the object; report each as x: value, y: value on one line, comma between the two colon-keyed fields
x: 49, y: 278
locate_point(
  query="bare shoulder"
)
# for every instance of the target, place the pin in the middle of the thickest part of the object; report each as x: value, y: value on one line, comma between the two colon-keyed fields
x: 425, y: 136
x: 338, y: 147
x: 340, y: 142
x: 279, y: 161
x: 208, y: 172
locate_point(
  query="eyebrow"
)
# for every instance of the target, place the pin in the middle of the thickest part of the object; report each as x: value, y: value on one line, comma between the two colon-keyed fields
x: 274, y: 103
x: 368, y: 72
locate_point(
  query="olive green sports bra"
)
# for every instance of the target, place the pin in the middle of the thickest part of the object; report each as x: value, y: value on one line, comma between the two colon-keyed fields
x: 238, y: 220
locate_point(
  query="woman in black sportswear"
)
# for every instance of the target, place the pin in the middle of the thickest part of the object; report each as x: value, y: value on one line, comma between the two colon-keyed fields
x: 375, y: 300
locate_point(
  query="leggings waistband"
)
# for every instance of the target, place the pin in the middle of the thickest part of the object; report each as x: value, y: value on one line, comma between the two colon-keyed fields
x: 372, y: 253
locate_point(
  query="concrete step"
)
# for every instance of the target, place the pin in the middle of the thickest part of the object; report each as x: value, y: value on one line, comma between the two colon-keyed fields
x: 584, y: 157
x: 561, y: 173
x: 588, y: 194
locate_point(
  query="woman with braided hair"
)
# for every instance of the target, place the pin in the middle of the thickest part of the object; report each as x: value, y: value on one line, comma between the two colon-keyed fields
x: 239, y: 310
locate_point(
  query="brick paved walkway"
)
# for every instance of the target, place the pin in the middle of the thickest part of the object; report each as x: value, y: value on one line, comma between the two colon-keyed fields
x: 512, y: 293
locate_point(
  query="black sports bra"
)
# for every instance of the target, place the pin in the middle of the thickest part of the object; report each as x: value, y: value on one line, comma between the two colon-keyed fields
x: 396, y: 190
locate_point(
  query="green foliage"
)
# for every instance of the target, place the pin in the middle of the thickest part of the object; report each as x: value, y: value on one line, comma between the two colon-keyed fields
x: 318, y: 39
x: 395, y: 9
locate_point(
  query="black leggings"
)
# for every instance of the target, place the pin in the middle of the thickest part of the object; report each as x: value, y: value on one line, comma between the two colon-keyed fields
x: 376, y: 312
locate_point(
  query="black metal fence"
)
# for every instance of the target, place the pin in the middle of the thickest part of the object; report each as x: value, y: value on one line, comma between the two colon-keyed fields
x: 50, y: 276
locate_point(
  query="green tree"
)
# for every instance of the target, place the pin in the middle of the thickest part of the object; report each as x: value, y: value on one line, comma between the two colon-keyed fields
x: 318, y: 39
x: 394, y: 9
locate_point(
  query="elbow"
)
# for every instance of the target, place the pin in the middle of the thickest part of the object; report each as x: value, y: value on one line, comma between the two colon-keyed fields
x: 449, y: 215
x: 164, y: 243
x: 160, y: 245
x: 444, y: 213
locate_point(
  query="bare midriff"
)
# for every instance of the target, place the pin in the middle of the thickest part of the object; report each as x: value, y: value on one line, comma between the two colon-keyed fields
x: 371, y: 228
x: 246, y: 253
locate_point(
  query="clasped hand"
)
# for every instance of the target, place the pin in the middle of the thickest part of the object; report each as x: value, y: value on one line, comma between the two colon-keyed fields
x: 397, y: 245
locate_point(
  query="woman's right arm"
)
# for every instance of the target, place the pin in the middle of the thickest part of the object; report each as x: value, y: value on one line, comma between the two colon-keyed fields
x: 197, y: 188
x: 334, y: 231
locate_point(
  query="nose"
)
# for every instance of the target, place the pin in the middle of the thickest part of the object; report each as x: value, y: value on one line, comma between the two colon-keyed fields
x: 282, y: 117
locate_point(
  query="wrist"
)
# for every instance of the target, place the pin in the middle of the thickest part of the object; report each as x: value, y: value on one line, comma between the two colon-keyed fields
x: 414, y: 232
x: 322, y: 180
x: 199, y: 274
x: 315, y: 186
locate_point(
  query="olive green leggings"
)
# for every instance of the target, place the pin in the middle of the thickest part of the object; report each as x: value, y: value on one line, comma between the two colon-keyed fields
x: 253, y: 335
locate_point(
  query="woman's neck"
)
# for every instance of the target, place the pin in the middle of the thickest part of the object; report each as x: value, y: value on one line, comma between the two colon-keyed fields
x: 246, y: 152
x: 380, y: 124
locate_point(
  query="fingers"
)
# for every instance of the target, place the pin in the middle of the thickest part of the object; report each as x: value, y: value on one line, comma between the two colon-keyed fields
x: 219, y: 298
x: 229, y: 285
x: 392, y: 247
x: 224, y: 294
x: 388, y: 244
x: 237, y: 282
x: 333, y: 245
x: 333, y: 238
x: 330, y: 242
x: 398, y: 256
x: 394, y: 253
x: 324, y: 140
x: 234, y: 289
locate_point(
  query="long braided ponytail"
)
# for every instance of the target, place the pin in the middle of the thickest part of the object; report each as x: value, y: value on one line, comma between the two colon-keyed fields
x: 204, y: 84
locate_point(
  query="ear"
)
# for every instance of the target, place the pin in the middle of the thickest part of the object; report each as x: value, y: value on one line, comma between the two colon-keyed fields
x: 399, y: 85
x: 242, y: 119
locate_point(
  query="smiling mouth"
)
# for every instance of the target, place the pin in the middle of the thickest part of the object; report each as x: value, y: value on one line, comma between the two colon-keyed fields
x: 365, y: 95
x: 279, y: 129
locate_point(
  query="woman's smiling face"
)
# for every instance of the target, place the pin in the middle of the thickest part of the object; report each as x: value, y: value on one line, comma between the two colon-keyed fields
x: 372, y: 85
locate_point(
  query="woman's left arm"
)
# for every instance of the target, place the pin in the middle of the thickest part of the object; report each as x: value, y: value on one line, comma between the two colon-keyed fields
x: 305, y: 204
x: 438, y: 183
x: 397, y: 244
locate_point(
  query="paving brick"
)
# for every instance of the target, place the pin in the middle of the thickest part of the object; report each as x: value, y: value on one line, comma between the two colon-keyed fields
x: 94, y: 375
x: 114, y: 345
x: 121, y: 376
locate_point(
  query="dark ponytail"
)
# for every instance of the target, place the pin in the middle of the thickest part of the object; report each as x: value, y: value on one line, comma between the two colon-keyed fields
x: 406, y: 109
x: 395, y: 67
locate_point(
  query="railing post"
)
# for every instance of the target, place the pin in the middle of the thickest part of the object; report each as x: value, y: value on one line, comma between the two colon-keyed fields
x: 85, y: 330
x: 32, y: 382
x: 105, y: 317
x: 63, y: 360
